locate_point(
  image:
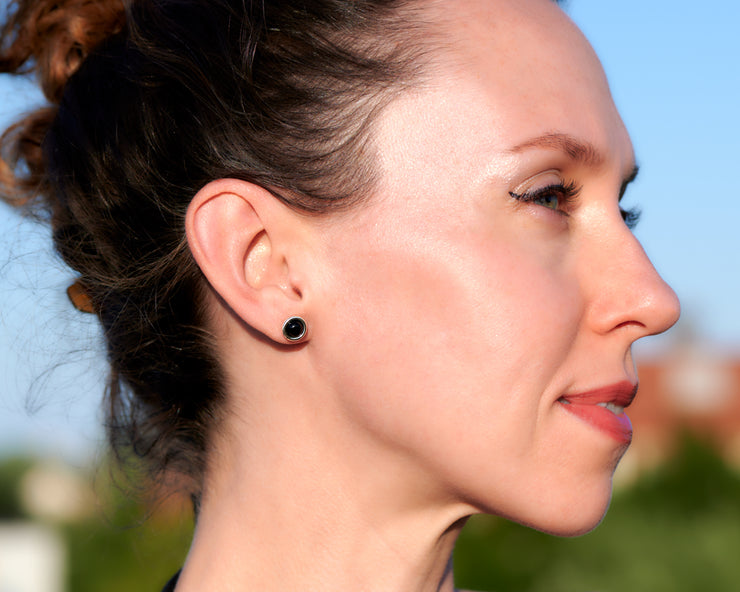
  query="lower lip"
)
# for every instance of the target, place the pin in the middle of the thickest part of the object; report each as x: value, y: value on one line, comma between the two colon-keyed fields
x: 618, y: 427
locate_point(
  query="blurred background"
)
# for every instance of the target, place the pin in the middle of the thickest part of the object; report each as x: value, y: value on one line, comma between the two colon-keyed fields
x: 66, y: 524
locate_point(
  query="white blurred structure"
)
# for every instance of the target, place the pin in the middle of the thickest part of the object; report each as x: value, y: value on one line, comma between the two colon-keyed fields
x: 32, y: 558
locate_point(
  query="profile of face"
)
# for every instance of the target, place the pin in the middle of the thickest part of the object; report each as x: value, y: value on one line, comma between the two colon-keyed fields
x: 475, y: 316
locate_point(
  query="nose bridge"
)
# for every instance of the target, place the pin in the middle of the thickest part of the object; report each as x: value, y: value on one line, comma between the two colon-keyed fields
x: 627, y: 291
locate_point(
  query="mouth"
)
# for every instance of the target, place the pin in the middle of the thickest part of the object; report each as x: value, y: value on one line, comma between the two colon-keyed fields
x: 603, y: 409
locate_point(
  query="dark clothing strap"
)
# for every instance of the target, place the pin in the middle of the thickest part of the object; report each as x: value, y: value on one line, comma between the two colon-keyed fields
x: 170, y: 587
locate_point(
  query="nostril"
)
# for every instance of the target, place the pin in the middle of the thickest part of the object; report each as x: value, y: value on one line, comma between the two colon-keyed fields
x: 628, y: 324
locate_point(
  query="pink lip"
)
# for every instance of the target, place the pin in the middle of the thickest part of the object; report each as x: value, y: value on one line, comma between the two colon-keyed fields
x: 585, y: 406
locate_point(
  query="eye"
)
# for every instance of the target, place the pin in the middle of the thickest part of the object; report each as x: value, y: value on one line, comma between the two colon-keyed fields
x: 556, y: 197
x: 631, y: 217
x: 550, y: 200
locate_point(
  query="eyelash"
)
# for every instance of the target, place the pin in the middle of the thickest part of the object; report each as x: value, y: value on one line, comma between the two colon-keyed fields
x: 631, y: 217
x: 566, y: 194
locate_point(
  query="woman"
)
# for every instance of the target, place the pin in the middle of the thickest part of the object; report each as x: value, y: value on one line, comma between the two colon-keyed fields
x: 361, y: 267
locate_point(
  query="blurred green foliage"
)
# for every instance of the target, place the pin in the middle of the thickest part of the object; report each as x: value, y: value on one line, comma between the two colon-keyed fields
x: 675, y: 530
x: 125, y: 546
x: 122, y: 543
x: 11, y: 473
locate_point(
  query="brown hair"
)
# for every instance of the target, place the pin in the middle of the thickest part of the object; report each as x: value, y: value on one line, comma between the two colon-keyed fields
x: 148, y: 103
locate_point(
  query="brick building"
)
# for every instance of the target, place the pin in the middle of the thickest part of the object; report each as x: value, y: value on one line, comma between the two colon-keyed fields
x: 688, y: 389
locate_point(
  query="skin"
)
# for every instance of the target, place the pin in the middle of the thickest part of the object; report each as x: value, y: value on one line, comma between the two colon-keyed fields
x: 446, y: 320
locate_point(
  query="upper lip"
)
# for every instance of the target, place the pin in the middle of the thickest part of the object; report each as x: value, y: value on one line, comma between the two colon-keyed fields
x: 620, y: 393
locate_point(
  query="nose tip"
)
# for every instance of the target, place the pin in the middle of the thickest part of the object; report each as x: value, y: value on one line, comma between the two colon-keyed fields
x: 633, y: 294
x: 662, y: 307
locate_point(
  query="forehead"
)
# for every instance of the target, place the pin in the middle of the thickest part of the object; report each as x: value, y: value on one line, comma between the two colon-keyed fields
x: 506, y: 71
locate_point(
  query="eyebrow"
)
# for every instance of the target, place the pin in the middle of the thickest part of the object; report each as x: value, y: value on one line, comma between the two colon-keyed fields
x: 580, y: 151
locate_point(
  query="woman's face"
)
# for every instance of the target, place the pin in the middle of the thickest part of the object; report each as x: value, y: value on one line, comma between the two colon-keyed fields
x: 491, y: 281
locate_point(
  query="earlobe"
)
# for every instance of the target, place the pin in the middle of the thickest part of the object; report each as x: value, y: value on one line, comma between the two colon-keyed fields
x: 235, y: 231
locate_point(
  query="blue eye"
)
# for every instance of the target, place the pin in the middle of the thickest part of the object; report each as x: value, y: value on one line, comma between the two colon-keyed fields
x: 549, y: 200
x: 553, y: 197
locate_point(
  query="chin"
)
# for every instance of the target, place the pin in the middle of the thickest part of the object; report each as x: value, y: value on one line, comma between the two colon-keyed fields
x: 573, y: 528
x: 577, y: 518
x: 567, y: 526
x: 565, y: 514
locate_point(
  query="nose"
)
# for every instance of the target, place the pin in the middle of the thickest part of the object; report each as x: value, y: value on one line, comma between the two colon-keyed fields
x: 627, y: 293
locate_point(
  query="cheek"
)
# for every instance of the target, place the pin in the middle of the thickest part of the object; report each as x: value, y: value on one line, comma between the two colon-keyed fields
x: 448, y: 351
x: 453, y: 359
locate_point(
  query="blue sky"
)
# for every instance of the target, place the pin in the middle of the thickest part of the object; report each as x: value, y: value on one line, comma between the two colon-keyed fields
x: 674, y: 69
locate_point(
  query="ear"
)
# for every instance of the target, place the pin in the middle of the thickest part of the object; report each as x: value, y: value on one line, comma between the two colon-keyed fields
x: 241, y: 237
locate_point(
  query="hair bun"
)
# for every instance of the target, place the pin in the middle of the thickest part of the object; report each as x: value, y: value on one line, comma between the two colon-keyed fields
x: 57, y: 35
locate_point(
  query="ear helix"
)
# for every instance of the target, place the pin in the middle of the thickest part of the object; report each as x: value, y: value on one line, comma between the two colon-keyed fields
x: 294, y: 329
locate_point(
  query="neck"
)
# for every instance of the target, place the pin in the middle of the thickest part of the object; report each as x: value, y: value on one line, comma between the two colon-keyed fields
x: 287, y: 507
x: 248, y: 554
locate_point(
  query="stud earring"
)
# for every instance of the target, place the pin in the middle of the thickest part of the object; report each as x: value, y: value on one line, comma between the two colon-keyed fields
x: 294, y: 329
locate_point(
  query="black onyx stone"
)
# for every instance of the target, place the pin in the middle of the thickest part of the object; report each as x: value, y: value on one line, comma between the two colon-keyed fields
x: 294, y: 329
